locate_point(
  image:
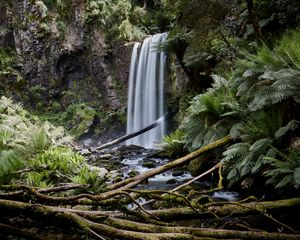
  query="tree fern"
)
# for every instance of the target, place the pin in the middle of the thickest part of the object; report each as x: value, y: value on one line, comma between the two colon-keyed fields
x: 284, y: 83
x: 284, y: 173
x: 291, y: 126
x: 258, y: 135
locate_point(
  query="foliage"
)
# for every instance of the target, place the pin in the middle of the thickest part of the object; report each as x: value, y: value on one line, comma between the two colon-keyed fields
x: 62, y: 6
x: 284, y: 172
x: 261, y: 134
x: 37, y: 153
x: 285, y: 54
x: 10, y: 78
x: 114, y: 16
x: 259, y: 108
x: 76, y: 118
x: 79, y: 118
x: 174, y: 143
x: 211, y: 114
x: 202, y: 45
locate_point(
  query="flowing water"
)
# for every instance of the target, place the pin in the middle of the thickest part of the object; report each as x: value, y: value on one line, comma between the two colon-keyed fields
x: 146, y: 91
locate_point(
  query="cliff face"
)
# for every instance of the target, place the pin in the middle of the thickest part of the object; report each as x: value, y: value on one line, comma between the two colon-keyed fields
x: 62, y: 58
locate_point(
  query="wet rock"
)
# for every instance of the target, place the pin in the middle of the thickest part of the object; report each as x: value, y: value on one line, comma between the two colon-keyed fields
x: 195, y: 166
x: 85, y: 152
x: 131, y: 149
x: 87, y: 142
x: 149, y: 164
x: 171, y: 181
x: 247, y: 183
x: 101, y: 172
x: 105, y: 156
x: 177, y: 173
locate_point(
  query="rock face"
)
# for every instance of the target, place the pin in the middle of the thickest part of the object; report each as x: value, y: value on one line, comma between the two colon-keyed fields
x: 62, y: 58
x: 6, y: 34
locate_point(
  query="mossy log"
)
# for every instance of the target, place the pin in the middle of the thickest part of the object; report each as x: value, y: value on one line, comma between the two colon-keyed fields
x: 222, y: 209
x: 125, y: 229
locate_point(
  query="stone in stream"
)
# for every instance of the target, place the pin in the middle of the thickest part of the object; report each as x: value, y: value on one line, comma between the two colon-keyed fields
x: 105, y: 156
x: 171, y: 181
x: 85, y: 152
x: 149, y: 164
x: 177, y: 172
x: 101, y: 172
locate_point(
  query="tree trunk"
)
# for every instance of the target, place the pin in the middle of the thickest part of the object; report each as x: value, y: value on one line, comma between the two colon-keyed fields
x: 254, y: 19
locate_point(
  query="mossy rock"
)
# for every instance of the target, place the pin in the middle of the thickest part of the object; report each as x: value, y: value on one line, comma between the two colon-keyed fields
x: 195, y: 166
x: 149, y: 164
x: 133, y: 173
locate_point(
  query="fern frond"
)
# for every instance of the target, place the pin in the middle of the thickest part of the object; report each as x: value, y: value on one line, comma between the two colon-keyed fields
x: 291, y: 126
x: 39, y: 141
x: 286, y: 84
x: 10, y: 161
x: 237, y: 152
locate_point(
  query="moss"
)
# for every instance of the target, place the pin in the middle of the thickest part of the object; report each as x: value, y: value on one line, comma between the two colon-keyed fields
x: 149, y: 164
x: 133, y: 173
x: 118, y: 179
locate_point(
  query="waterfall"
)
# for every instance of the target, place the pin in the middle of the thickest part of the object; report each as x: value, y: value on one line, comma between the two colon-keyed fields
x: 146, y: 91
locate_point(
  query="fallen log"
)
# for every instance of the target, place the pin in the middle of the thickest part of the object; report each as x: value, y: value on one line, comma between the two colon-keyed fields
x: 131, y: 135
x: 126, y: 229
x: 222, y: 209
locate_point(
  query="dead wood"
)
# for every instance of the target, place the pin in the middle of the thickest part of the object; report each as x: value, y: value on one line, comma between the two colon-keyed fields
x: 125, y: 229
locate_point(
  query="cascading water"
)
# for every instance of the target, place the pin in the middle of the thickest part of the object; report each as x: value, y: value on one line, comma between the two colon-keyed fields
x: 146, y: 91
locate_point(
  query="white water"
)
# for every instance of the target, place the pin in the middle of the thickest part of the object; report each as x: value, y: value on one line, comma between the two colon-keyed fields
x: 146, y: 91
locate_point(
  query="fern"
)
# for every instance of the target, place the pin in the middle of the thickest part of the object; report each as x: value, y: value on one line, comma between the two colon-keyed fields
x: 39, y: 141
x: 258, y: 134
x: 288, y: 49
x: 285, y: 54
x: 174, y: 143
x: 284, y: 173
x: 291, y: 126
x: 10, y: 162
x: 27, y: 142
x: 284, y: 83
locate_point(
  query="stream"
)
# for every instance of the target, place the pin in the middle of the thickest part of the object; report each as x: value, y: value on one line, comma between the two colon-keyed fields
x: 129, y: 161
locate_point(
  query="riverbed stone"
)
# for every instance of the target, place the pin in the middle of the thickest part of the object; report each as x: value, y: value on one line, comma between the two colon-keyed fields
x: 149, y: 164
x: 101, y: 172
